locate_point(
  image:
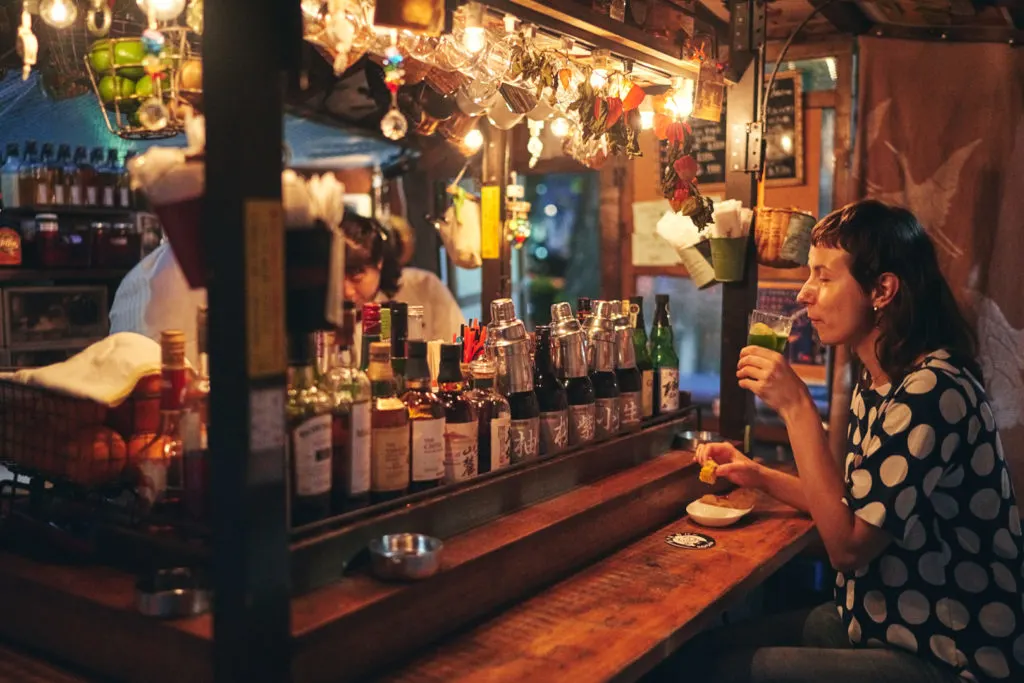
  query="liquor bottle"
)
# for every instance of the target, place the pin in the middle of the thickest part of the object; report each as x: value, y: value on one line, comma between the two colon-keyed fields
x: 122, y: 184
x: 64, y: 174
x: 194, y: 422
x: 507, y: 342
x: 10, y: 178
x: 601, y: 337
x: 308, y: 414
x: 494, y: 417
x: 399, y: 313
x: 569, y: 346
x: 94, y: 178
x: 389, y: 429
x: 461, y: 429
x: 371, y: 332
x: 626, y: 371
x: 44, y: 176
x: 110, y: 175
x: 426, y: 421
x: 551, y: 396
x: 583, y: 307
x: 664, y: 358
x: 81, y: 177
x: 350, y: 422
x: 27, y: 175
x: 160, y: 465
x: 643, y: 355
x: 385, y: 329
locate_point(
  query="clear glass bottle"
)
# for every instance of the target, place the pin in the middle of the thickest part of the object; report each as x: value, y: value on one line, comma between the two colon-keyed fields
x: 10, y: 178
x: 160, y: 463
x: 551, y: 396
x: 494, y: 417
x: 350, y: 391
x: 44, y: 174
x: 122, y: 185
x: 195, y: 421
x: 664, y: 358
x: 461, y: 430
x: 110, y: 176
x: 426, y: 421
x: 389, y: 429
x: 94, y: 175
x: 642, y: 351
x: 27, y: 176
x: 308, y: 415
x: 63, y: 176
x: 77, y: 190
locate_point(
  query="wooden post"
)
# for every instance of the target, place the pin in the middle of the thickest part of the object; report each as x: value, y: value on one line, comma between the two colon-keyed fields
x: 246, y: 46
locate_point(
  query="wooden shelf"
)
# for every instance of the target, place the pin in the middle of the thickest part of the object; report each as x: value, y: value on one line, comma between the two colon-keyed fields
x: 599, y: 31
x: 64, y: 210
x: 62, y: 274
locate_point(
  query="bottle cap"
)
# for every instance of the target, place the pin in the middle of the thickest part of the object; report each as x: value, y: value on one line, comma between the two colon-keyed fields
x: 380, y: 352
x: 172, y: 348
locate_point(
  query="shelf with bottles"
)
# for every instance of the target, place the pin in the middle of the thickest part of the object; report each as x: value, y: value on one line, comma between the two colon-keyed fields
x: 69, y: 211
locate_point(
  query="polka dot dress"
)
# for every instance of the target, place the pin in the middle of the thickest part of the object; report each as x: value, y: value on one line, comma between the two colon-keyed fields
x: 925, y: 464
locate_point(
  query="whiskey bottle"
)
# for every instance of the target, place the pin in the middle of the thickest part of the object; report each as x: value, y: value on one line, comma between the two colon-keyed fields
x: 494, y: 417
x: 308, y: 414
x: 389, y: 429
x: 426, y: 421
x: 461, y: 429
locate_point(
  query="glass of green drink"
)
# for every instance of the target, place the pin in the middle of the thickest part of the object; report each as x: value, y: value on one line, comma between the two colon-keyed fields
x: 769, y: 330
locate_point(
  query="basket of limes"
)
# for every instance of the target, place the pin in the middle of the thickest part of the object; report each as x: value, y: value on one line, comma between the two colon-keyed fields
x: 145, y: 93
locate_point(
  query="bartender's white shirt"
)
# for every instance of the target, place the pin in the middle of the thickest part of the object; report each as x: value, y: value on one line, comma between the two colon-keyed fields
x: 154, y: 296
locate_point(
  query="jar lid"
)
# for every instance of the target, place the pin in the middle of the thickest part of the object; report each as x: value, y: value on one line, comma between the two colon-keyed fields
x: 46, y: 217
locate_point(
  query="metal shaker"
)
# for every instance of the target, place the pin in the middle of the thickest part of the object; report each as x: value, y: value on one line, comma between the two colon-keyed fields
x: 508, y: 345
x: 568, y: 343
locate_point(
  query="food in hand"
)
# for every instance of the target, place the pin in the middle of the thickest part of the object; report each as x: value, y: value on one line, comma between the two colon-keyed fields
x: 708, y: 473
x: 740, y: 499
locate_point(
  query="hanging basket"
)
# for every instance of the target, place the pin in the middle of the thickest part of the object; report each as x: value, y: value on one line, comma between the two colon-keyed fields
x: 729, y: 254
x: 695, y: 258
x: 783, y: 237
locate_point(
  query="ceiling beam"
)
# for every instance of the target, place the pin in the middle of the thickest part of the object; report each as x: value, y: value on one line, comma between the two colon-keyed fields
x: 952, y: 34
x: 845, y: 15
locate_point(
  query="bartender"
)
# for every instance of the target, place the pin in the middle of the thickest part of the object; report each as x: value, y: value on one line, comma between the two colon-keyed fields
x: 155, y: 296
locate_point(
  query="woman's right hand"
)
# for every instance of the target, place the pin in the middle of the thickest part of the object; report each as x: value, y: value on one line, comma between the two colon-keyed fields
x: 733, y: 465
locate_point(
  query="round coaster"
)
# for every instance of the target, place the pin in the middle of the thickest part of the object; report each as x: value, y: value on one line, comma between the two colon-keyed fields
x: 690, y: 541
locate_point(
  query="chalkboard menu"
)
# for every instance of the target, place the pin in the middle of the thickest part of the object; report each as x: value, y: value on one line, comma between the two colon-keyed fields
x: 709, y: 148
x: 784, y: 148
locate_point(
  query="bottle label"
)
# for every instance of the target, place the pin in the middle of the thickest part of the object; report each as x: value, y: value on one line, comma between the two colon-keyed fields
x: 582, y: 423
x: 668, y: 389
x: 173, y: 385
x: 389, y: 458
x: 359, y: 433
x: 59, y: 194
x: 500, y: 442
x: 311, y: 450
x: 90, y: 196
x: 76, y: 195
x: 554, y: 431
x: 647, y: 393
x: 607, y: 412
x: 524, y: 438
x: 124, y: 198
x: 630, y: 408
x: 461, y: 451
x: 108, y: 196
x: 42, y: 193
x: 427, y: 449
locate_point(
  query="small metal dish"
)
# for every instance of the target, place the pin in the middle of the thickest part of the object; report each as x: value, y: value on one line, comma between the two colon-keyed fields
x: 171, y: 593
x: 405, y: 557
x: 688, y: 441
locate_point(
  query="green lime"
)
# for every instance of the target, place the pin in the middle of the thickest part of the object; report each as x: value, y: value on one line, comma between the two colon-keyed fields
x: 128, y: 55
x: 101, y: 56
x: 112, y: 87
x: 144, y: 87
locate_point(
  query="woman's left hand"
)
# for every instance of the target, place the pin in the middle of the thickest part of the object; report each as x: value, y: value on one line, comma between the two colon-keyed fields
x: 768, y: 375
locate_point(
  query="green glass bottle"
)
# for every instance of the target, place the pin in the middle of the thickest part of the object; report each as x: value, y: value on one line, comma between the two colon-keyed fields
x: 664, y: 359
x: 643, y: 356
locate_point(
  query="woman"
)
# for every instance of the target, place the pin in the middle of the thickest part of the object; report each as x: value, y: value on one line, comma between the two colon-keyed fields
x: 374, y: 272
x: 921, y: 524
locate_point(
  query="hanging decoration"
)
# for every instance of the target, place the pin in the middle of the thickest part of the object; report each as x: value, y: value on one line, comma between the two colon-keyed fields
x: 394, y: 124
x: 58, y: 13
x: 535, y: 146
x: 28, y: 44
x: 194, y: 17
x: 98, y: 18
x: 517, y: 212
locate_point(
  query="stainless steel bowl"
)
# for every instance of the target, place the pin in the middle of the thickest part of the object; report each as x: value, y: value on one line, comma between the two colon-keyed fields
x: 172, y: 593
x: 405, y: 557
x: 688, y: 441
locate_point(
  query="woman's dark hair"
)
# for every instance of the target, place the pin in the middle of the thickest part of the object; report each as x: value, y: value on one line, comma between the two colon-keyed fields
x: 368, y: 244
x: 924, y: 315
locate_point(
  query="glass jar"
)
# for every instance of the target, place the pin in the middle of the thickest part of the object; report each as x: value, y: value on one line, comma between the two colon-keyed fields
x: 115, y: 245
x: 78, y: 243
x: 52, y: 251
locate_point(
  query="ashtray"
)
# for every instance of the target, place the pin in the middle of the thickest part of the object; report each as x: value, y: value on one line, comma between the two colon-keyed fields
x: 405, y: 557
x: 172, y: 593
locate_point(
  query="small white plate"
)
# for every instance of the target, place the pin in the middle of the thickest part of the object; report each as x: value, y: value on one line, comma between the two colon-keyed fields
x: 714, y: 516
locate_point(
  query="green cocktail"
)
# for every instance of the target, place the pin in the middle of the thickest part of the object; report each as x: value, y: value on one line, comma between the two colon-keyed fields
x: 769, y: 331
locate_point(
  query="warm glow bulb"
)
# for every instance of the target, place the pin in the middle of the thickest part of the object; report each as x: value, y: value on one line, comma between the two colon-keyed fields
x: 647, y: 119
x: 598, y: 78
x: 163, y: 10
x: 474, y: 140
x: 58, y: 13
x: 682, y: 97
x: 560, y: 127
x: 474, y: 38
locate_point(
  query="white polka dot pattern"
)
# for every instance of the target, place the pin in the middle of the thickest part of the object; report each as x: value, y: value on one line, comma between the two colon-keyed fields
x: 925, y: 464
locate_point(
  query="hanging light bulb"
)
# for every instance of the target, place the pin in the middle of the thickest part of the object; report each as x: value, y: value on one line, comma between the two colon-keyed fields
x: 474, y: 140
x: 681, y: 101
x: 602, y: 65
x: 58, y: 13
x: 560, y: 127
x: 646, y: 120
x: 162, y: 10
x: 474, y: 35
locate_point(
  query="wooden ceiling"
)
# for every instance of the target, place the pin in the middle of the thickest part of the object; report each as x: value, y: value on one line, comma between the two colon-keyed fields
x: 952, y: 20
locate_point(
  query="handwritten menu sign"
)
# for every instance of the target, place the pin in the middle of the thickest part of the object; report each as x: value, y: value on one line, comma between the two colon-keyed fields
x: 709, y: 148
x: 784, y: 153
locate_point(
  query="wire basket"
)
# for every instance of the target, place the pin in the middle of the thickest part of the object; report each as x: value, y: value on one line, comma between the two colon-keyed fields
x: 119, y: 85
x: 77, y: 441
x: 782, y: 236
